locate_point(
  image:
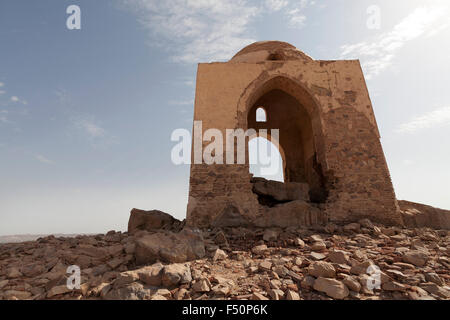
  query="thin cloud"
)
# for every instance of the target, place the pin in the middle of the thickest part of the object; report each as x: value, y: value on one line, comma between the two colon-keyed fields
x: 43, y: 159
x: 208, y: 30
x: 436, y: 118
x: 2, y: 84
x: 379, y: 54
x: 90, y: 128
x: 276, y: 5
x: 296, y: 13
x: 3, y: 117
x: 16, y: 99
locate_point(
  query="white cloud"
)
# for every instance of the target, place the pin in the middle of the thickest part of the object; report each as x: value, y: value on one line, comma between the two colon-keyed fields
x: 89, y: 127
x: 43, y: 159
x: 208, y: 30
x: 16, y: 99
x: 296, y: 13
x: 2, y: 84
x: 438, y: 117
x: 196, y: 30
x: 296, y: 18
x: 276, y: 5
x: 3, y: 117
x: 2, y: 92
x: 379, y: 54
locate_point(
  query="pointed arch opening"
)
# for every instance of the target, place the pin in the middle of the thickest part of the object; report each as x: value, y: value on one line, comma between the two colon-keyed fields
x: 292, y: 112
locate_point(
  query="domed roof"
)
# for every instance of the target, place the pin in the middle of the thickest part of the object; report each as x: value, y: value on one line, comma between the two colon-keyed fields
x: 269, y: 50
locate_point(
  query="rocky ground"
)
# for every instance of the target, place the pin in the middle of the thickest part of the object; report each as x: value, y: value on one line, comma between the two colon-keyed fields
x: 317, y: 263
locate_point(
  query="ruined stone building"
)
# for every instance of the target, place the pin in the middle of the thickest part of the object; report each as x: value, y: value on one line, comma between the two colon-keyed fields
x: 334, y: 166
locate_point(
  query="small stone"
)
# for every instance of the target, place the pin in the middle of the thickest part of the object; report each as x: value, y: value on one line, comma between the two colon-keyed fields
x: 3, y: 284
x: 292, y: 295
x: 333, y: 288
x: 415, y: 257
x: 339, y: 257
x: 201, y: 286
x: 322, y: 269
x: 58, y: 290
x: 258, y: 296
x: 353, y: 227
x: 361, y: 268
x: 158, y: 297
x: 164, y: 293
x: 219, y: 255
x: 298, y: 261
x: 151, y: 275
x: 352, y: 284
x: 220, y: 238
x: 259, y: 249
x: 276, y: 294
x: 315, y: 238
x: 174, y: 274
x: 265, y: 266
x: 430, y: 277
x: 114, y: 263
x: 307, y: 282
x: 317, y: 256
x: 270, y: 235
x: 433, y: 288
x: 20, y: 295
x: 180, y: 294
x: 318, y: 246
x: 13, y: 273
x: 299, y: 242
x: 393, y: 286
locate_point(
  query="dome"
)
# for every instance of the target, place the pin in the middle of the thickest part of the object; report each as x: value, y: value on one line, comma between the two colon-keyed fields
x: 269, y: 51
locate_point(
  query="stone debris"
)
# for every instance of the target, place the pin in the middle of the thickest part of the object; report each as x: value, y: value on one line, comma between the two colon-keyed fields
x: 234, y: 263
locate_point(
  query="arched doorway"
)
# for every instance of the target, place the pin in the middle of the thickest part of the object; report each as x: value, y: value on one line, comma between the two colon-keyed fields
x: 297, y: 134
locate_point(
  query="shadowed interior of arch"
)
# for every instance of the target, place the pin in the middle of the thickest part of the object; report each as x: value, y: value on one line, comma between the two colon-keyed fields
x: 296, y: 139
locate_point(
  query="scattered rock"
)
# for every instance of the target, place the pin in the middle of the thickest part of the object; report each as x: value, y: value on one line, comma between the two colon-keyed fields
x: 258, y: 296
x: 219, y: 255
x: 292, y: 295
x: 333, y: 288
x: 415, y: 257
x: 151, y: 221
x: 270, y: 235
x: 175, y: 274
x: 322, y: 269
x: 170, y: 247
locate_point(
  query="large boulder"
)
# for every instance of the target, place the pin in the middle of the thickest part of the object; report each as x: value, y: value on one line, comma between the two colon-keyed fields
x: 152, y: 220
x: 169, y: 247
x: 416, y: 215
x: 295, y: 213
x: 281, y: 192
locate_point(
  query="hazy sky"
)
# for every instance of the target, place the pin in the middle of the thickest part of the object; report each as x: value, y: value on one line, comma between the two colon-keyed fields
x: 86, y: 115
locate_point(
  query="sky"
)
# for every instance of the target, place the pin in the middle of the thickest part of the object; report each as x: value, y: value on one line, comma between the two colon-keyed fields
x: 86, y: 115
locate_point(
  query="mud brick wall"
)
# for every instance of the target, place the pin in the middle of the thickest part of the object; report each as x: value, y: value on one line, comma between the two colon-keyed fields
x: 346, y: 150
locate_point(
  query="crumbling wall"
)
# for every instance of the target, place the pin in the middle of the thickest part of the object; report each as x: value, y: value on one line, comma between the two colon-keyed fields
x: 346, y: 152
